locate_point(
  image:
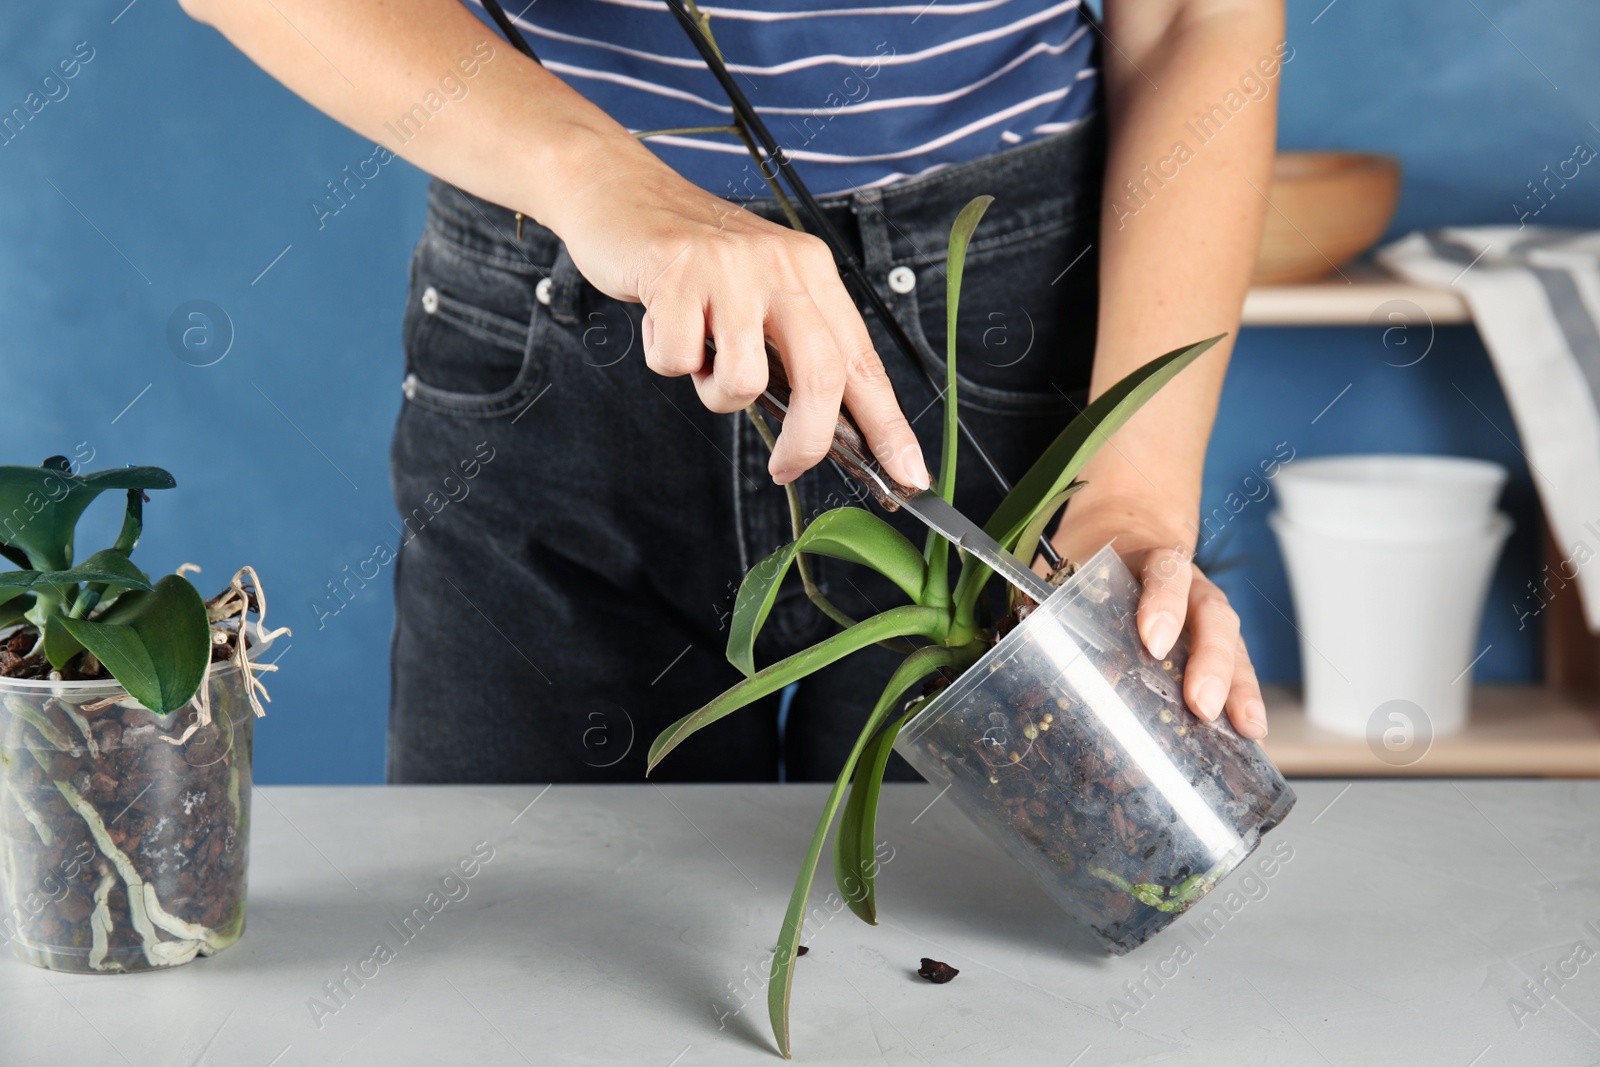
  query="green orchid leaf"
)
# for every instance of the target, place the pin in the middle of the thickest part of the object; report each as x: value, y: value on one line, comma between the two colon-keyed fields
x: 936, y: 591
x: 12, y: 584
x: 854, y: 848
x: 107, y: 566
x: 911, y: 670
x: 40, y: 506
x: 896, y: 622
x: 59, y: 644
x: 855, y: 535
x: 14, y: 606
x: 127, y: 540
x: 132, y: 523
x: 1034, y: 531
x: 1082, y: 438
x: 154, y: 643
x: 141, y: 478
x: 855, y: 856
x: 955, y: 266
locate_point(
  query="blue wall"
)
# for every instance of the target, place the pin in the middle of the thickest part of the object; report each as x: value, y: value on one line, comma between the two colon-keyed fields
x: 200, y: 170
x: 173, y: 171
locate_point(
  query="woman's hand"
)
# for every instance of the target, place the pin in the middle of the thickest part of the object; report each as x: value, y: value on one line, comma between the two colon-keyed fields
x: 1177, y: 597
x: 705, y: 268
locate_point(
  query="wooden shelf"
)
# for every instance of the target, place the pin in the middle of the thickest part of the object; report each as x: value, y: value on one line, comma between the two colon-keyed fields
x: 1513, y: 730
x: 1353, y: 299
x: 1541, y: 731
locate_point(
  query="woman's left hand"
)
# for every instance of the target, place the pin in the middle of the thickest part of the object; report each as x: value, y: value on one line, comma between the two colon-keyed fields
x: 1177, y: 598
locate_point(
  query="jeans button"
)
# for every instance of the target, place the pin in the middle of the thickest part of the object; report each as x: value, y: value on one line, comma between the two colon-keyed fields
x: 409, y: 385
x: 430, y: 300
x: 541, y: 292
x: 902, y: 280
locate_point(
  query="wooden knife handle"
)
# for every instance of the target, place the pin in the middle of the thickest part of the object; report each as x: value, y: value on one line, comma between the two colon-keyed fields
x: 849, y: 448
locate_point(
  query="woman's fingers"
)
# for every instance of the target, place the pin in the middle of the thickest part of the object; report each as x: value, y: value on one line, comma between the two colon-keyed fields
x: 1213, y: 648
x: 1219, y: 674
x: 674, y: 335
x: 1165, y: 577
x: 738, y: 372
x: 868, y: 392
x: 816, y: 371
x: 1245, y: 706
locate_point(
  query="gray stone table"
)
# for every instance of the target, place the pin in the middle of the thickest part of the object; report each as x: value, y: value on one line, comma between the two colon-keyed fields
x: 1401, y: 923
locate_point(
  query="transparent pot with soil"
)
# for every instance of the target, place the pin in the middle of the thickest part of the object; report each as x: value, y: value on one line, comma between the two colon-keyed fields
x: 1070, y: 746
x: 124, y: 843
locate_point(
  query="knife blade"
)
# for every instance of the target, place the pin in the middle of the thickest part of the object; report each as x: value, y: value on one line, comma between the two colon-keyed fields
x: 968, y: 536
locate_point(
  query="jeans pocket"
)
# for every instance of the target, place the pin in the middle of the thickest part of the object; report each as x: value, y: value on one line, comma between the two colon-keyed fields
x: 471, y: 332
x: 1025, y: 339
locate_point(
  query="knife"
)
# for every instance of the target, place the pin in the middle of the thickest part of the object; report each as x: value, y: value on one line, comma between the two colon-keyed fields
x: 849, y: 450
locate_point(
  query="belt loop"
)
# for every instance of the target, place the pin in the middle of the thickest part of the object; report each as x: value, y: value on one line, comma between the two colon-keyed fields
x: 566, y: 288
x: 867, y: 205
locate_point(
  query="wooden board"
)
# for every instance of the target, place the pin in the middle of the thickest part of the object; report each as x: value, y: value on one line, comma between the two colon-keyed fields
x: 1513, y: 730
x: 1364, y: 295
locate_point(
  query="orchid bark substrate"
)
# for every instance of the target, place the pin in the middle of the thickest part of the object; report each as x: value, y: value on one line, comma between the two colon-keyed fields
x: 123, y: 849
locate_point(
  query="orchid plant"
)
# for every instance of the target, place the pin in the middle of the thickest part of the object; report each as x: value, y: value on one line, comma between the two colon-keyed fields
x: 940, y: 625
x: 153, y: 637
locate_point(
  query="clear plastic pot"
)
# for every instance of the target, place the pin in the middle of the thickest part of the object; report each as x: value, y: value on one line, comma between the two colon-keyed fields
x: 1073, y: 749
x: 120, y: 850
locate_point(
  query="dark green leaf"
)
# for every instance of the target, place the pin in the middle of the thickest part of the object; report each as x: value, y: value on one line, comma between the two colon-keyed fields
x: 14, y: 606
x: 912, y: 670
x: 1034, y: 531
x: 59, y: 644
x: 155, y: 644
x: 955, y: 265
x: 132, y: 523
x: 855, y: 857
x: 851, y: 534
x: 39, y: 506
x: 108, y: 566
x: 1074, y: 446
x: 129, y: 478
x: 896, y: 622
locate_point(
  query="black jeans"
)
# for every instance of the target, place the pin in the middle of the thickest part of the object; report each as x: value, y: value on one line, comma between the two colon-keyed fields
x: 576, y: 527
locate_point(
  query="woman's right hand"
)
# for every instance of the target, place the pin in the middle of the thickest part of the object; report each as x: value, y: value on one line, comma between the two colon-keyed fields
x: 705, y: 268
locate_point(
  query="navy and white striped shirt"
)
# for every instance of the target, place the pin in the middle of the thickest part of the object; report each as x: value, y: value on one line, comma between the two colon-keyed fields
x: 858, y: 94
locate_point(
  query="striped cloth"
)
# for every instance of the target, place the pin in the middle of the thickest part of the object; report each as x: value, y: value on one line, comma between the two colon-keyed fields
x: 1534, y: 292
x: 857, y: 94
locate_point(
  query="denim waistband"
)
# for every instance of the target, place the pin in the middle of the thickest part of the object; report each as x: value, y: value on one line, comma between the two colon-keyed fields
x: 1037, y: 186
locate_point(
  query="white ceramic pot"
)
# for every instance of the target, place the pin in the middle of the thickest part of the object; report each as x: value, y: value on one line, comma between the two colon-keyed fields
x: 1384, y: 621
x: 1426, y: 498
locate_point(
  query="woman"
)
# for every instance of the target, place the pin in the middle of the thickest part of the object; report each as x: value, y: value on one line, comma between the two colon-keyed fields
x: 578, y: 600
